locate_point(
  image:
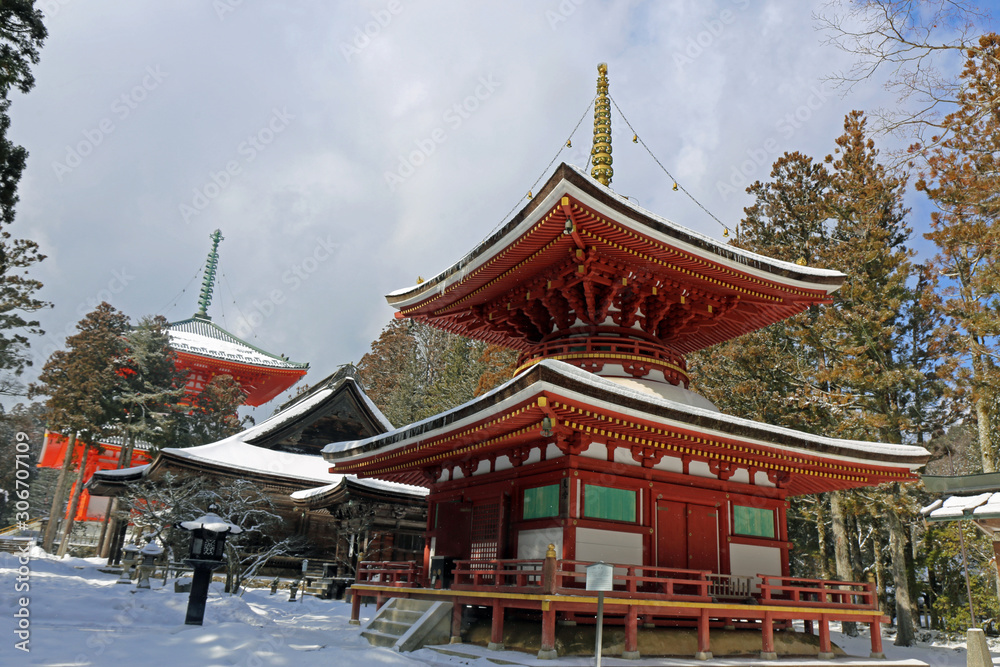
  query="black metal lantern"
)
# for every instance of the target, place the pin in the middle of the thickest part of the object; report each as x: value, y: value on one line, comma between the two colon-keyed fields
x: 208, y: 546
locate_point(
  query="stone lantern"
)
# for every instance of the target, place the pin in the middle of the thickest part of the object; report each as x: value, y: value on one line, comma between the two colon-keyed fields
x: 128, y: 560
x: 147, y: 564
x: 208, y: 543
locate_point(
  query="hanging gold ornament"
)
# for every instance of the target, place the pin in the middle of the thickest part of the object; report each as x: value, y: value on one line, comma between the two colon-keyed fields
x: 726, y: 232
x: 569, y: 143
x: 635, y: 138
x: 675, y: 187
x: 529, y: 194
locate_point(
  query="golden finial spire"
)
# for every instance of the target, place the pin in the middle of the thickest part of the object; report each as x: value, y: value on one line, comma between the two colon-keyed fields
x: 601, y: 152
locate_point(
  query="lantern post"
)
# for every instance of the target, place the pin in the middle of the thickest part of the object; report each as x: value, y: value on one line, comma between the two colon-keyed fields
x: 208, y: 544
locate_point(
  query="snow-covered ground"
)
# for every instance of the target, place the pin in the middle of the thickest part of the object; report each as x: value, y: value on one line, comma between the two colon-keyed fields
x: 79, y: 616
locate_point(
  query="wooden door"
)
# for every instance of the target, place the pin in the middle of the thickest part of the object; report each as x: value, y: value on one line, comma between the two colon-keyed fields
x: 671, y: 534
x: 703, y: 537
x: 453, y: 530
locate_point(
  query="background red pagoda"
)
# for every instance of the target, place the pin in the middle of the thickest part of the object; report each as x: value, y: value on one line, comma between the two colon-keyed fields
x: 204, y: 350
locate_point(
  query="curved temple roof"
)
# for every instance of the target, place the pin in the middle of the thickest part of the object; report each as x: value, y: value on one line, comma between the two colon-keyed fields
x: 575, y: 221
x: 510, y: 416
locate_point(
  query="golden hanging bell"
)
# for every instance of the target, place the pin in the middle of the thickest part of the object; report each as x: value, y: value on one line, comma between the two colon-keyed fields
x: 635, y: 138
x: 675, y: 187
x: 529, y: 194
x: 569, y: 143
x: 726, y: 232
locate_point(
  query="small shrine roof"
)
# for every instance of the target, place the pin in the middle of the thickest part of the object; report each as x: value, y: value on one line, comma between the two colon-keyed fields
x: 602, y: 396
x: 976, y: 507
x: 203, y: 337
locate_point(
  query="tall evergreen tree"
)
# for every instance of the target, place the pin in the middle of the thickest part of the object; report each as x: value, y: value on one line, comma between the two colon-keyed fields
x: 963, y: 182
x: 81, y: 383
x: 21, y: 36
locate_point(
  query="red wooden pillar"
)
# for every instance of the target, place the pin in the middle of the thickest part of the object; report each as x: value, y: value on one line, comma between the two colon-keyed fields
x: 825, y: 650
x: 704, y: 645
x: 631, y: 651
x: 875, y: 629
x: 456, y: 622
x: 355, y: 608
x: 496, y: 629
x: 767, y: 638
x: 547, y: 651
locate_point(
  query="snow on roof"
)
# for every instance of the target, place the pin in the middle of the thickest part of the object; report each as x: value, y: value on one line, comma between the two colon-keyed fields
x: 741, y: 260
x: 123, y: 472
x: 376, y: 484
x: 278, y: 419
x: 305, y: 494
x: 203, y: 337
x: 980, y: 506
x: 352, y: 450
x: 234, y: 453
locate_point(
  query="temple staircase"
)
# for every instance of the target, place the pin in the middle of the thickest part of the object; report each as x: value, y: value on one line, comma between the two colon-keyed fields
x: 406, y: 625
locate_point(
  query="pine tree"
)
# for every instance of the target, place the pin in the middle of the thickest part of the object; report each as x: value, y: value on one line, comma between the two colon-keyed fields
x: 81, y: 383
x: 963, y: 182
x: 22, y: 33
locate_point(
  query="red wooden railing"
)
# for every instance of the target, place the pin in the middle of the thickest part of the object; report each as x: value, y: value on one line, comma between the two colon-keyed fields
x: 638, y: 581
x: 817, y: 592
x: 389, y: 573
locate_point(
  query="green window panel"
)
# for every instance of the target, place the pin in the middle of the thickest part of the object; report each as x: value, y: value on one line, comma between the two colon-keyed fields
x: 602, y: 502
x: 753, y: 521
x: 541, y: 502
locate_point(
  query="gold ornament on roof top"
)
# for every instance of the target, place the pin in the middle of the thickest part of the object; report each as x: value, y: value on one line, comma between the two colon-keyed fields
x: 601, y: 152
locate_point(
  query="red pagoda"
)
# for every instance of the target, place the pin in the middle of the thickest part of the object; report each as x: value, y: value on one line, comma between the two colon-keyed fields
x: 597, y: 450
x: 204, y: 350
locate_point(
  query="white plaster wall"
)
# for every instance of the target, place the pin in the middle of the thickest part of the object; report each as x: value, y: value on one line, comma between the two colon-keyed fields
x: 748, y: 560
x: 760, y: 479
x: 596, y: 450
x: 609, y: 546
x: 534, y: 543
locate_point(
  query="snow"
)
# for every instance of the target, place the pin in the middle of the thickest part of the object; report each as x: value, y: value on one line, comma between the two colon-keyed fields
x: 124, y: 472
x: 982, y: 505
x: 903, y: 455
x: 234, y: 453
x: 212, y: 522
x: 80, y: 616
x: 187, y: 341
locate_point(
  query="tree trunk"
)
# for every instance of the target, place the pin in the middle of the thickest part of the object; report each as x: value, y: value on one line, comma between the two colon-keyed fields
x: 841, y: 552
x: 824, y: 562
x: 68, y: 524
x: 879, y: 570
x: 900, y: 576
x: 107, y: 529
x: 59, y: 496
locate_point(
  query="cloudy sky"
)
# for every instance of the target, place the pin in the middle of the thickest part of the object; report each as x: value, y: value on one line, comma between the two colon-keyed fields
x: 346, y: 148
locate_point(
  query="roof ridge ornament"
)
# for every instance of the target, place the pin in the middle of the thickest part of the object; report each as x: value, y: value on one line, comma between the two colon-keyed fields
x: 208, y: 282
x: 601, y: 152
